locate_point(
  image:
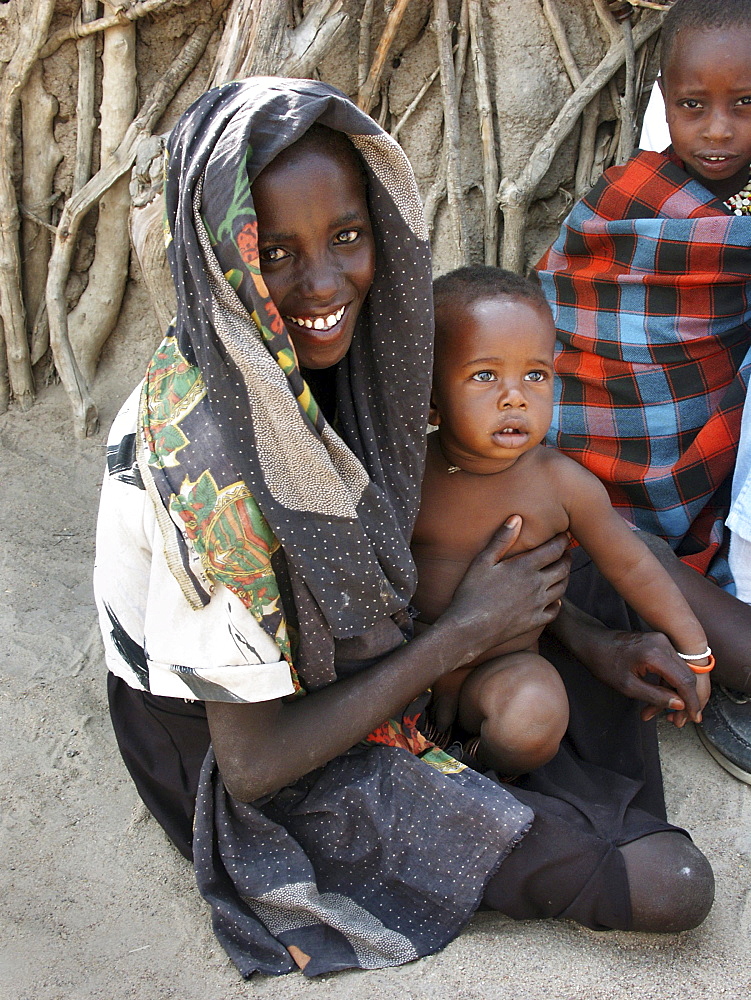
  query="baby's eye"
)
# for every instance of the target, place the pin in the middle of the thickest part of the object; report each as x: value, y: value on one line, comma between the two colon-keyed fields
x: 347, y: 236
x: 273, y: 254
x: 535, y: 377
x: 484, y: 377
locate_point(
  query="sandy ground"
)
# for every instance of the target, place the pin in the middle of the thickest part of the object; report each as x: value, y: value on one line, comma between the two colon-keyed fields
x: 95, y: 901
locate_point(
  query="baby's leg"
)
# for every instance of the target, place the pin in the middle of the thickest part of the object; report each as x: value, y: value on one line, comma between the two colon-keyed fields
x: 518, y: 705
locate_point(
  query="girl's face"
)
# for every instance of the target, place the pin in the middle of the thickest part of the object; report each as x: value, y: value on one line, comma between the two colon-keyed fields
x: 707, y: 90
x: 316, y: 248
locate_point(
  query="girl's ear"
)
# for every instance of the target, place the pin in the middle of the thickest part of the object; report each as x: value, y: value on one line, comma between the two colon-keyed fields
x: 434, y: 417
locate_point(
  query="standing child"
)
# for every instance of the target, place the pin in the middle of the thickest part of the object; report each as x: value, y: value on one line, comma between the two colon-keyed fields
x: 649, y: 282
x: 492, y: 402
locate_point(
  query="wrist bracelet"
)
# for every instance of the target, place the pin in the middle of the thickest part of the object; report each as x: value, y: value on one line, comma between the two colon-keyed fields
x: 702, y: 670
x: 695, y: 656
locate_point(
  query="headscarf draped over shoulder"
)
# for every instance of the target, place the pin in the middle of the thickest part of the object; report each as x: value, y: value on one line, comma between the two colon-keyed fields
x: 240, y: 457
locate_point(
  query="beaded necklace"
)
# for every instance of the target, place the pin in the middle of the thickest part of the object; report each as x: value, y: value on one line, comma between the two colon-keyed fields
x: 740, y: 204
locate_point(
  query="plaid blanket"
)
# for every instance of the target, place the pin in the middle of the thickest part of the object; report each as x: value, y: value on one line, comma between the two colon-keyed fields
x: 649, y: 286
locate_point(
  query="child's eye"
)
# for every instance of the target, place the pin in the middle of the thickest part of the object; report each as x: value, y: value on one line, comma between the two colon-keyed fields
x: 691, y: 103
x: 273, y: 254
x: 484, y: 377
x: 745, y: 100
x: 347, y: 236
x: 535, y: 377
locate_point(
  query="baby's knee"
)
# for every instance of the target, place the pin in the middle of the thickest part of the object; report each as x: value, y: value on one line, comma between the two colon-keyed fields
x: 670, y: 881
x: 538, y: 703
x: 530, y: 720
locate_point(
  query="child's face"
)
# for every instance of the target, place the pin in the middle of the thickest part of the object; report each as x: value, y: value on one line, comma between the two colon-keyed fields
x: 316, y: 249
x: 493, y: 382
x: 707, y: 89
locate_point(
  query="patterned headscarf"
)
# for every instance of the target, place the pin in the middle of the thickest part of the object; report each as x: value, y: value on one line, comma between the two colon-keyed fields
x: 241, y: 457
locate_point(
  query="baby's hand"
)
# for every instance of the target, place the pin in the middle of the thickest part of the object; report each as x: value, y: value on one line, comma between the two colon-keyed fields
x: 703, y: 690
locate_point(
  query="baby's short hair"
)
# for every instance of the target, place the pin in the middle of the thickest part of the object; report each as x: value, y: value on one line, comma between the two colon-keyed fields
x: 703, y: 15
x: 470, y: 284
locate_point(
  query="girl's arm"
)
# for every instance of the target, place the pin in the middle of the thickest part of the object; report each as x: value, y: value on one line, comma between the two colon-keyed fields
x: 263, y: 747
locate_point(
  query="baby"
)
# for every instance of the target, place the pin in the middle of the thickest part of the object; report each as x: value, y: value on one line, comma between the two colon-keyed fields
x: 491, y: 404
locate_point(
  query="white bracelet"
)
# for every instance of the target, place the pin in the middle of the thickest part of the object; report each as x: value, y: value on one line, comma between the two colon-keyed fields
x: 695, y: 656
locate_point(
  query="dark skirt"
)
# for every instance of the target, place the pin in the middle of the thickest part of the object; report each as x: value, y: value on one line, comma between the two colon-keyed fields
x: 602, y: 790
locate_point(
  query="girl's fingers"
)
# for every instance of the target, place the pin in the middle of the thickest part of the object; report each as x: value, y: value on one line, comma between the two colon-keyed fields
x: 503, y: 540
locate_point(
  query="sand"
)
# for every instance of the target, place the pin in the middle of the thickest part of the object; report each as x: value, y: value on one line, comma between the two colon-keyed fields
x: 97, y: 904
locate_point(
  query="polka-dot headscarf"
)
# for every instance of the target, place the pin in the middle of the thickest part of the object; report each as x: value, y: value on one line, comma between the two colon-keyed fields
x: 341, y: 503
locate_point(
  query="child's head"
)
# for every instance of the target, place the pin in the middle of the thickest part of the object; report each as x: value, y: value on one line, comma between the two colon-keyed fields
x: 492, y: 393
x: 315, y: 242
x: 706, y: 82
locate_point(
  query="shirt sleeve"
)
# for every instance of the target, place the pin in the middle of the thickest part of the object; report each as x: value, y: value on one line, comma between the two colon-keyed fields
x: 153, y: 639
x: 739, y: 519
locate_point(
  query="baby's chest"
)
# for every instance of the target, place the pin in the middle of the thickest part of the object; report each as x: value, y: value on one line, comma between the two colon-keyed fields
x: 461, y: 521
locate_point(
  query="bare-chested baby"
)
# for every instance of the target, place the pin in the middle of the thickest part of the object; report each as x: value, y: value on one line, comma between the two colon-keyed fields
x: 492, y: 404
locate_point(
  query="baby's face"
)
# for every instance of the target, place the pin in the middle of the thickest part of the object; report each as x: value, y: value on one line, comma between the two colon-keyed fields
x: 707, y: 90
x: 493, y: 381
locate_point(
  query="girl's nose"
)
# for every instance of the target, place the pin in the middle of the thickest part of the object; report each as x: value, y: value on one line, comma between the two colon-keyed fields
x: 322, y: 279
x: 718, y: 126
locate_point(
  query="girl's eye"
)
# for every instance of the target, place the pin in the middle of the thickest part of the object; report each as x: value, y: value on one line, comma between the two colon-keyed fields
x: 484, y: 377
x: 745, y: 100
x: 347, y: 236
x: 691, y: 103
x: 535, y: 377
x: 273, y: 254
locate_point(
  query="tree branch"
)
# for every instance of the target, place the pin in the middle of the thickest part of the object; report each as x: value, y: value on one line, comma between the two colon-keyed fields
x: 442, y: 28
x: 34, y: 21
x: 515, y: 195
x: 79, y: 204
x: 628, y: 102
x: 367, y: 95
x: 487, y: 134
x: 558, y: 31
x: 363, y: 48
x: 124, y: 14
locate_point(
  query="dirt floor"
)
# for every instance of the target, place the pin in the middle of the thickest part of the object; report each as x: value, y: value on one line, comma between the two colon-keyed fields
x: 96, y: 904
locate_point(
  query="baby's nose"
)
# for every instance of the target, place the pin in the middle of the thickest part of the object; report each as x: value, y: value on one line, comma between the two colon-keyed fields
x: 512, y: 396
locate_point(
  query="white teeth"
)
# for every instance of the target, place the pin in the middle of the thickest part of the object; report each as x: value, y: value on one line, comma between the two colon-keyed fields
x: 320, y: 322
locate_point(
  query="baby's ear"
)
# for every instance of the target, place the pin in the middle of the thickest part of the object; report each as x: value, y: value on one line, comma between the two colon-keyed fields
x: 434, y: 417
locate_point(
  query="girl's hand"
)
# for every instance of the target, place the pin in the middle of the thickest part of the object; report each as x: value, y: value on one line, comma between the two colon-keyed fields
x: 623, y: 661
x: 631, y: 656
x: 500, y: 598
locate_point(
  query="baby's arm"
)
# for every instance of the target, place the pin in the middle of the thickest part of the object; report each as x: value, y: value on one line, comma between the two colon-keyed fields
x: 626, y: 562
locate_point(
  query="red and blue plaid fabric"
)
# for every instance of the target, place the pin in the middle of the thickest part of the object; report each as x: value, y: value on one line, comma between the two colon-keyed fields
x: 649, y: 284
